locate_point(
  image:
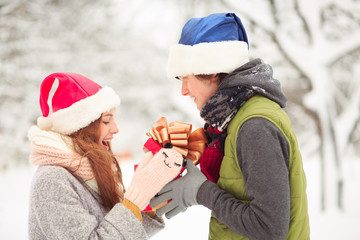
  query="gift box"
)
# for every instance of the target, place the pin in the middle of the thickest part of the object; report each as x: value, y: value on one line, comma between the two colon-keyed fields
x: 190, y: 145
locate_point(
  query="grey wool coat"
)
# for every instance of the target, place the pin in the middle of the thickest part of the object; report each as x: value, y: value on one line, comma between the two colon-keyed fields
x: 62, y: 207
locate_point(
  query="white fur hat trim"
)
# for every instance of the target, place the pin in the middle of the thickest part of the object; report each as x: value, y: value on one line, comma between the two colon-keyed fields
x: 207, y: 58
x: 81, y: 113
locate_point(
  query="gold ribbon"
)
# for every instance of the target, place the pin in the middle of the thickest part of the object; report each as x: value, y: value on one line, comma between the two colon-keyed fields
x: 190, y: 144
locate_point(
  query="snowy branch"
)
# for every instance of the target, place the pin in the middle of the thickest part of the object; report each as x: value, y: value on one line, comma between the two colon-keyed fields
x: 304, y: 21
x: 346, y: 47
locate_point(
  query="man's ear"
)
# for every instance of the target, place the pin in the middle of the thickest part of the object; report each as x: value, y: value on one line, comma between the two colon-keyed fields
x: 215, y: 78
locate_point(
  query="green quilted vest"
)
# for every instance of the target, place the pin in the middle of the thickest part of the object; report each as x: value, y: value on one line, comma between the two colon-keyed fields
x: 231, y: 177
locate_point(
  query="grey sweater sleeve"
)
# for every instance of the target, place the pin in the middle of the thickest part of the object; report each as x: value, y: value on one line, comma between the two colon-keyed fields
x: 62, y: 208
x: 263, y: 156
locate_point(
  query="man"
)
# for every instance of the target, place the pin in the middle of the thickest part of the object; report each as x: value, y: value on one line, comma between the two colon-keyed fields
x: 251, y: 171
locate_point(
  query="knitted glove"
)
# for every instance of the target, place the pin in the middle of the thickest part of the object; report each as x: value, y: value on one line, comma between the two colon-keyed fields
x: 153, y: 172
x: 182, y: 191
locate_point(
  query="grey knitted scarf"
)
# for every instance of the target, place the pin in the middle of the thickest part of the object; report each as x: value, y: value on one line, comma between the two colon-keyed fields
x: 218, y: 111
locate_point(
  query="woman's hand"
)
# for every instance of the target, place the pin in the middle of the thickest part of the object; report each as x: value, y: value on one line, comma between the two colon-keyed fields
x: 152, y: 174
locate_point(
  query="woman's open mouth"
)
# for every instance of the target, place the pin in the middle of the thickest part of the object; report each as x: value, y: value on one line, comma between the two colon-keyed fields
x: 106, y: 145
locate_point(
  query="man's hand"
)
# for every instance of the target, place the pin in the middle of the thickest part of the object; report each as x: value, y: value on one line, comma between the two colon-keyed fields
x: 182, y: 191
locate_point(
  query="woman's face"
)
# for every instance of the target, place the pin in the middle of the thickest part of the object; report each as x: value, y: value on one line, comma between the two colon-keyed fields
x: 107, y: 128
x: 198, y: 89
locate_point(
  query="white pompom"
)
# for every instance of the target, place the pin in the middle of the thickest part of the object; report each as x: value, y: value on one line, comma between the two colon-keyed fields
x: 44, y: 123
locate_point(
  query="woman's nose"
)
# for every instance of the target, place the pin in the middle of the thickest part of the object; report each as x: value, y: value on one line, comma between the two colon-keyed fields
x: 114, y: 129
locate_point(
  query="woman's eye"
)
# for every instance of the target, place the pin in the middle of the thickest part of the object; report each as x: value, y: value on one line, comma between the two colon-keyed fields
x: 106, y: 122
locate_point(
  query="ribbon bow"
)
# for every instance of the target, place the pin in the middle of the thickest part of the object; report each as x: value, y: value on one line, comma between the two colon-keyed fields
x: 190, y: 144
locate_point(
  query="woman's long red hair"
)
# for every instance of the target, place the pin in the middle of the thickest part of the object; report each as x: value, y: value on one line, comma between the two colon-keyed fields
x: 103, y: 162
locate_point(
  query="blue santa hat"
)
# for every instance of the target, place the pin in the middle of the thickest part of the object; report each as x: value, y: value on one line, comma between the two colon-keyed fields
x: 214, y: 44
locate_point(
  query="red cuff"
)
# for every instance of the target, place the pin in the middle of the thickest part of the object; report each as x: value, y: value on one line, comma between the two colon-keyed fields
x: 152, y: 146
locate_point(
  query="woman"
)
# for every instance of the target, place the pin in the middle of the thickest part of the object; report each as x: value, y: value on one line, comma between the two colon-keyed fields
x: 77, y: 191
x: 251, y: 171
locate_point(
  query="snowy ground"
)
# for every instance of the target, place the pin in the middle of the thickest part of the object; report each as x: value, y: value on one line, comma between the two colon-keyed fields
x: 193, y: 224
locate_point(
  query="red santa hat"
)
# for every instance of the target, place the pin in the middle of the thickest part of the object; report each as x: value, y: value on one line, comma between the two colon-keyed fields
x: 70, y: 101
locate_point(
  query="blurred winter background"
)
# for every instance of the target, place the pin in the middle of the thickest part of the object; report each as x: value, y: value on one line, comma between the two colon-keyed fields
x: 313, y: 46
